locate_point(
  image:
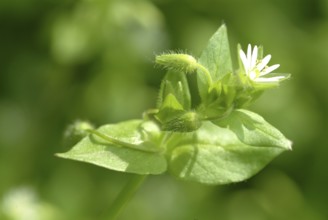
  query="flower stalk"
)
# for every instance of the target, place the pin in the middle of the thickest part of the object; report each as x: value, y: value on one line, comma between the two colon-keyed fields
x: 125, y: 196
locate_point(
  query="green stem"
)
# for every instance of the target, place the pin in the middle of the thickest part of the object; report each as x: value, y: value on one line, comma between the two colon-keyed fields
x: 125, y: 196
x: 207, y: 74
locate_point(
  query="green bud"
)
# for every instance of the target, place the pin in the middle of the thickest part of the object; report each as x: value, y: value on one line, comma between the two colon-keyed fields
x: 179, y: 62
x: 185, y: 122
x: 75, y: 132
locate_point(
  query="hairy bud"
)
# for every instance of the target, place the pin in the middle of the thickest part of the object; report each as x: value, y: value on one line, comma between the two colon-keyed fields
x: 180, y: 62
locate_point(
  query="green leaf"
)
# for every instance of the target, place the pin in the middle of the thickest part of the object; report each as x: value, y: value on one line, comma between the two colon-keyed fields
x: 253, y: 130
x: 175, y: 83
x: 98, y: 151
x: 216, y: 58
x: 170, y: 108
x: 215, y: 155
x: 173, y: 117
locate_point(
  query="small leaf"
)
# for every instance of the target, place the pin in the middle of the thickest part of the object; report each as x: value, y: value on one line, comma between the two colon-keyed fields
x: 216, y: 58
x: 172, y: 116
x: 170, y: 109
x: 175, y: 83
x: 95, y: 150
x: 215, y: 155
x: 253, y: 130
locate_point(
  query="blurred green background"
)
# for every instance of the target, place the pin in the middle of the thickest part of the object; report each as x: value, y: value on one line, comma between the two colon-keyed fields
x: 62, y: 60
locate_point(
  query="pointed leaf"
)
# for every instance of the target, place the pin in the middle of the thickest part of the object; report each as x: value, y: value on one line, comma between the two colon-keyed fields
x: 216, y: 58
x: 175, y: 83
x: 215, y: 155
x: 253, y: 130
x: 95, y: 150
x: 170, y: 109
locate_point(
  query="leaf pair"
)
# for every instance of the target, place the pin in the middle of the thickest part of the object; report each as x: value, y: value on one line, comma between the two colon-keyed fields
x: 213, y: 154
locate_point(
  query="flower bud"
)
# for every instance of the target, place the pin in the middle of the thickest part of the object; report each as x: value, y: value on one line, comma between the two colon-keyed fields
x: 75, y: 132
x: 187, y: 122
x: 180, y: 62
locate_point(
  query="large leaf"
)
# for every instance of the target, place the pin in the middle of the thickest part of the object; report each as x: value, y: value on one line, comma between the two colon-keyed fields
x: 253, y: 130
x: 96, y: 150
x: 215, y: 155
x: 216, y: 58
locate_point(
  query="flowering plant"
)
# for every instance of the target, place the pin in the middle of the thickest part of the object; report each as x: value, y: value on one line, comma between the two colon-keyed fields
x: 212, y: 141
x: 215, y: 141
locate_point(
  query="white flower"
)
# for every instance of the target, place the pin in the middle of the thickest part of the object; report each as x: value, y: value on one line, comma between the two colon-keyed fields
x: 255, y: 69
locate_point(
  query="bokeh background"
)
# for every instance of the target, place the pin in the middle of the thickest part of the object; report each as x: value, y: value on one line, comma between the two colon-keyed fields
x: 62, y: 60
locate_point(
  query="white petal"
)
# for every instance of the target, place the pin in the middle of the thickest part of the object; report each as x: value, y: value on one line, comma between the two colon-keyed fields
x: 271, y: 79
x: 254, y: 57
x: 244, y: 59
x: 264, y: 62
x: 249, y: 54
x: 269, y: 69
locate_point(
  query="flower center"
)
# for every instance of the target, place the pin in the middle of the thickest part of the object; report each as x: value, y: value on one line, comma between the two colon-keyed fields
x: 252, y: 75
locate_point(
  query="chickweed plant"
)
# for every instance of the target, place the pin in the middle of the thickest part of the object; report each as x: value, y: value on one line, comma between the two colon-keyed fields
x: 214, y: 141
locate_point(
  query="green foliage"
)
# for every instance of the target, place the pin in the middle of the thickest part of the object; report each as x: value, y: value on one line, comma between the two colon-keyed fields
x: 216, y: 58
x: 215, y: 155
x: 216, y: 143
x: 128, y: 153
x: 253, y: 130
